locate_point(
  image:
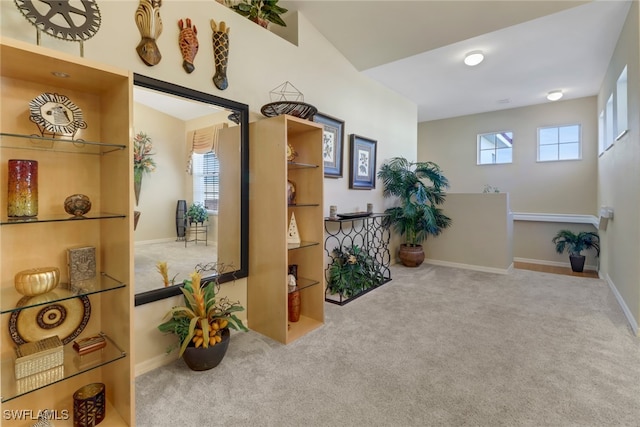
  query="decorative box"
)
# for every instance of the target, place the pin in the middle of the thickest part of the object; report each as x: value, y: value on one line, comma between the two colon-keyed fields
x: 38, y: 356
x: 41, y: 379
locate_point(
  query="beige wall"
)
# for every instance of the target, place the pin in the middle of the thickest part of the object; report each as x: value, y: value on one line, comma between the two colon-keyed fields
x: 480, y: 237
x: 158, y: 214
x: 259, y: 61
x: 567, y: 187
x: 619, y: 177
x: 536, y: 187
x: 532, y: 242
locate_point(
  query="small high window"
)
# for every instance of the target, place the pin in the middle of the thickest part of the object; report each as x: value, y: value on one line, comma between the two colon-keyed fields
x: 495, y: 148
x: 559, y: 143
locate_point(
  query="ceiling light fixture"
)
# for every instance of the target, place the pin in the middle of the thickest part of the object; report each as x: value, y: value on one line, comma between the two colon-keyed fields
x: 554, y: 95
x: 473, y: 58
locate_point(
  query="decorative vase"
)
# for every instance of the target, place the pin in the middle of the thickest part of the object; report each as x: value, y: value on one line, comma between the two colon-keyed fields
x: 294, y: 306
x: 77, y: 205
x: 411, y: 256
x: 22, y: 194
x: 37, y: 281
x: 136, y: 218
x: 137, y: 184
x: 89, y: 405
x: 202, y: 359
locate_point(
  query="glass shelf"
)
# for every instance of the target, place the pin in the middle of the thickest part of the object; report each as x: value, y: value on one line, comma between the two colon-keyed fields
x: 73, y: 365
x: 60, y: 144
x: 303, y: 205
x: 292, y: 246
x: 303, y: 283
x: 296, y: 165
x: 11, y: 300
x: 59, y: 218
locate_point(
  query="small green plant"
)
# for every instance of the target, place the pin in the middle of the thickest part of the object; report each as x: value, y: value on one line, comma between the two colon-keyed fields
x: 353, y: 271
x: 490, y: 189
x: 566, y: 240
x: 260, y: 11
x: 197, y: 213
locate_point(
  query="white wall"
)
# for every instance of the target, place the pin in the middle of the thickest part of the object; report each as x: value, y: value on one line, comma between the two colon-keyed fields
x: 619, y: 177
x: 259, y: 61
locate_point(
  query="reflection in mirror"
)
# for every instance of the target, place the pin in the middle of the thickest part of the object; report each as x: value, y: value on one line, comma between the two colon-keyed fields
x: 199, y: 147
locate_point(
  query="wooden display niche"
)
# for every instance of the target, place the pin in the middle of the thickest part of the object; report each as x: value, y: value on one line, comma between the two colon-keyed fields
x: 269, y: 215
x: 97, y: 162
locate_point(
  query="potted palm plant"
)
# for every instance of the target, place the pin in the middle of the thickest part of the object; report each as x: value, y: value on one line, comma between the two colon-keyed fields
x: 419, y: 187
x: 260, y: 11
x: 202, y: 323
x: 575, y: 243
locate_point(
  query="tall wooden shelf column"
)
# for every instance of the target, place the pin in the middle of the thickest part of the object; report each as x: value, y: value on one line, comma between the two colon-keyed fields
x: 96, y: 163
x: 269, y: 216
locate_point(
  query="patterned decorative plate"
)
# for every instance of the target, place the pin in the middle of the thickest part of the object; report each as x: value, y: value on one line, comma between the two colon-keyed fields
x: 66, y: 318
x: 56, y: 114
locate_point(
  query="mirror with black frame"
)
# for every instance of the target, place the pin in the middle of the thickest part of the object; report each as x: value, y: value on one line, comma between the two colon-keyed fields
x: 193, y: 150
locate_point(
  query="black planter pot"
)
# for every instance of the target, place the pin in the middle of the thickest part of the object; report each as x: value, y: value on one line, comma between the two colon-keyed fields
x: 202, y: 359
x: 577, y: 263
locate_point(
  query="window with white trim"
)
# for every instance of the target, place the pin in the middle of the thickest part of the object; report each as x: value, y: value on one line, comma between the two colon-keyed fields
x: 495, y: 148
x: 621, y: 105
x: 608, y: 123
x: 559, y: 143
x: 206, y: 180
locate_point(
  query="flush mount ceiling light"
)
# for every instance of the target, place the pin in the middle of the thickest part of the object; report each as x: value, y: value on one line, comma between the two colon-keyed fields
x: 554, y: 95
x: 473, y: 58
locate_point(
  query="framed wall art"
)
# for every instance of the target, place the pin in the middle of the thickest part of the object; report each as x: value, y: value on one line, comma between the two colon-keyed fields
x: 362, y: 170
x: 332, y: 137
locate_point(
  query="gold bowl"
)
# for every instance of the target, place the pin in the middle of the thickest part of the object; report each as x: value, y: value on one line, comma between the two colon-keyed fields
x: 36, y: 281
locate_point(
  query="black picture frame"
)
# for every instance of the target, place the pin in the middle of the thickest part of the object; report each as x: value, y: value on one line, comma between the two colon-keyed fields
x: 362, y: 170
x: 332, y: 140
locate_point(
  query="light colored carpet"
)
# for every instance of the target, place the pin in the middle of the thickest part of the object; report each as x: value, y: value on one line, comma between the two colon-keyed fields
x: 180, y: 259
x: 436, y: 346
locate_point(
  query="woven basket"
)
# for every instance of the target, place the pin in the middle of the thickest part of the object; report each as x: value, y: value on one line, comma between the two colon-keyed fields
x: 38, y: 356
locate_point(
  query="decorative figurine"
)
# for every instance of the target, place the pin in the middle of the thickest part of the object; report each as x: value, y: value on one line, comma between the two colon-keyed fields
x: 150, y: 27
x: 188, y: 41
x: 220, y: 39
x: 77, y: 205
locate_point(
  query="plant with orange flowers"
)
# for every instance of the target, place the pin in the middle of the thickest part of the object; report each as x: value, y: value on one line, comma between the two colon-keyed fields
x: 203, y: 317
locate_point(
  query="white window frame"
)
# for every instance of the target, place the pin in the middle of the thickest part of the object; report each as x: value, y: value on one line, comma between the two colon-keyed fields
x: 199, y: 183
x: 558, y: 144
x: 621, y: 106
x: 479, y: 149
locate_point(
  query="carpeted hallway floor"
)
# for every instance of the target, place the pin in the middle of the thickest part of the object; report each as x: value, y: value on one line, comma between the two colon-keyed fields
x: 436, y: 346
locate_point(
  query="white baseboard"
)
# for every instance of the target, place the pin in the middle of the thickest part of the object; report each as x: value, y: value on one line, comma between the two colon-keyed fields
x: 151, y: 242
x: 470, y: 266
x: 155, y: 362
x: 627, y: 313
x: 552, y: 263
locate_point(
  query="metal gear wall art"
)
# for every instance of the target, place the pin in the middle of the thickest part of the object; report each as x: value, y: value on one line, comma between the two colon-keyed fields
x: 72, y: 20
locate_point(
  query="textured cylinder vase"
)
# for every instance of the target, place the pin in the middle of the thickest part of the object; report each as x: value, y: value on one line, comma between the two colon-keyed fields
x: 22, y: 194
